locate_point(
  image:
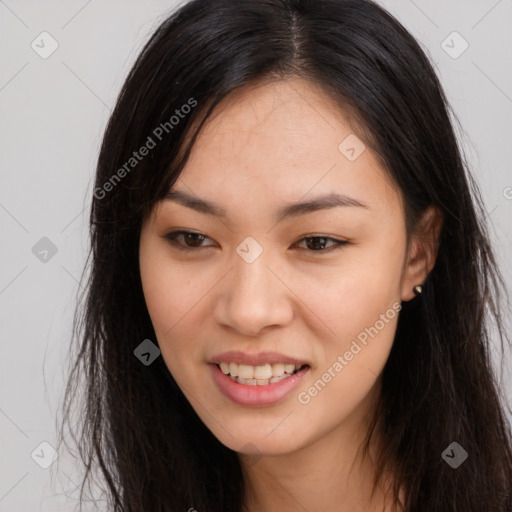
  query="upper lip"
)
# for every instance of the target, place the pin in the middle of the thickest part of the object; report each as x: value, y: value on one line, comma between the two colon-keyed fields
x: 261, y: 358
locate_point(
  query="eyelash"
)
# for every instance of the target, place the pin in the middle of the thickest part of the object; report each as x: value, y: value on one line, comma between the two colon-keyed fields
x: 173, y: 235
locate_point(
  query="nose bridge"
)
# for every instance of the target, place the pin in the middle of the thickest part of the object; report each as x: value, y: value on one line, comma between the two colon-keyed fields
x: 253, y: 297
x: 252, y: 279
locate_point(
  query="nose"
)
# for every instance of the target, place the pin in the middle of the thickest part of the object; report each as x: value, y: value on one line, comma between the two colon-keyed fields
x: 253, y: 297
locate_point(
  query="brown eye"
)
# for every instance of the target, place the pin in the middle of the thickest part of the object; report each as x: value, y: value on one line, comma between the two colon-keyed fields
x: 191, y: 239
x: 318, y: 243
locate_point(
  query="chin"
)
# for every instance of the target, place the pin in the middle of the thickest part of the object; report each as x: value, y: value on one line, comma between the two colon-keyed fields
x: 259, y: 438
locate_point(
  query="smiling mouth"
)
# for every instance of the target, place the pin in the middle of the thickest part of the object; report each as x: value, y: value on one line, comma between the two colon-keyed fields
x: 261, y: 375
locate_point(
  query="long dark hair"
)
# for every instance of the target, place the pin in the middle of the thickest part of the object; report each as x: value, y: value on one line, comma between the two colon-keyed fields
x: 438, y: 385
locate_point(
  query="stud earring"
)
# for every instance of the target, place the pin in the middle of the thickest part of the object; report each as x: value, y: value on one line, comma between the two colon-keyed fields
x: 417, y: 290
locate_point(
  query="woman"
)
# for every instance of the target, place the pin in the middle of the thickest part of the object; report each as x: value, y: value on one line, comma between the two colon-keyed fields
x: 290, y: 287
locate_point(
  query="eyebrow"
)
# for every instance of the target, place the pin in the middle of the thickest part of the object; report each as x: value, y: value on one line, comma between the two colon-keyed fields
x: 323, y: 202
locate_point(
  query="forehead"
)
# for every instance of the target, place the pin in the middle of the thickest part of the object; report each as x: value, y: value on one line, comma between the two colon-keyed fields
x: 279, y: 142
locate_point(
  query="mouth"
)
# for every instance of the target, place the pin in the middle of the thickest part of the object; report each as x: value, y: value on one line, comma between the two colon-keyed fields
x: 257, y: 386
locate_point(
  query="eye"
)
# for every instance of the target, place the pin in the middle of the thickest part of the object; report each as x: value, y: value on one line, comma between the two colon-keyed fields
x: 193, y: 241
x: 189, y: 237
x: 320, y: 241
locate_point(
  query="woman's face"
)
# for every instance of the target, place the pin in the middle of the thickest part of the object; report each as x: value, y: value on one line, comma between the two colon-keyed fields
x: 255, y: 293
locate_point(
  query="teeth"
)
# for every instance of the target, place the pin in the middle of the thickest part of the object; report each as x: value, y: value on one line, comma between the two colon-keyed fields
x: 289, y: 368
x: 263, y: 372
x: 259, y: 382
x: 277, y: 370
x: 258, y: 375
x: 249, y: 382
x: 233, y: 369
x: 245, y: 371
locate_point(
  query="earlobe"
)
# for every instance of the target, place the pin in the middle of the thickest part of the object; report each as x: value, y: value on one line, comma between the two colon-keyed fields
x: 423, y: 251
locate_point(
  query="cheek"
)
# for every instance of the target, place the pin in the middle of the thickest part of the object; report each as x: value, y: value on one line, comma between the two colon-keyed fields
x: 350, y: 365
x: 361, y: 304
x: 168, y: 301
x: 169, y: 292
x: 351, y: 297
x: 368, y: 318
x: 171, y: 296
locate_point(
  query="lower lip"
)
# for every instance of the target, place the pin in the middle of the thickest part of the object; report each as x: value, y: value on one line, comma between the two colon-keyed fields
x: 254, y: 396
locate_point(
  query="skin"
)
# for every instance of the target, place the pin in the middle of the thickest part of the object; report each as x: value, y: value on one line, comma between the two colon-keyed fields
x: 266, y: 146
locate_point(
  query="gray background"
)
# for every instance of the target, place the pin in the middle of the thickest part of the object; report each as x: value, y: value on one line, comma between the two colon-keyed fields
x: 53, y: 112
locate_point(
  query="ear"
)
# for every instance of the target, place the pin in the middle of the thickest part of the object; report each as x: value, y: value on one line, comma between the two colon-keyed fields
x: 422, y: 254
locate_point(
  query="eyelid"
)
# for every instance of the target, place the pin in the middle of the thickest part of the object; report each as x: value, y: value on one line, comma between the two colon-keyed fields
x: 171, y: 237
